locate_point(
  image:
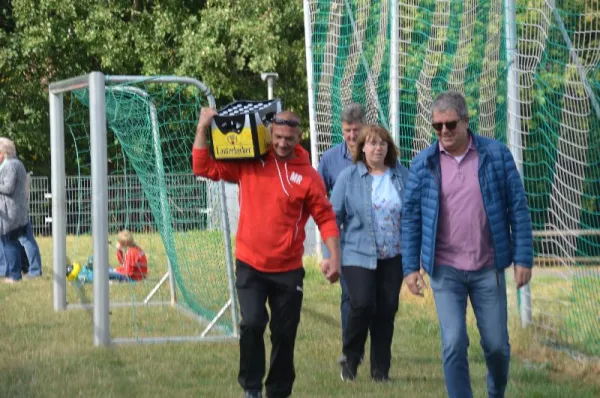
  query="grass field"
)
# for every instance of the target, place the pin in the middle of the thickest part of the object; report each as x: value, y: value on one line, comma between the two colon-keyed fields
x: 49, y: 354
x: 567, y: 306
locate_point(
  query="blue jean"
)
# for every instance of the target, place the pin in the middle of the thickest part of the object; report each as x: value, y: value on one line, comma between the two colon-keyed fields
x: 10, y: 258
x: 32, y: 251
x: 486, y: 289
x: 113, y: 275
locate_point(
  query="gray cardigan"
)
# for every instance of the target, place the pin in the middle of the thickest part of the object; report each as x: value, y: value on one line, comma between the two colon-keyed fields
x: 14, y: 212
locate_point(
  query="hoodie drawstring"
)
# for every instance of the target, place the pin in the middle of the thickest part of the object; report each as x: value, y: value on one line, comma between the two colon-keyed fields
x: 280, y: 178
x: 287, y: 175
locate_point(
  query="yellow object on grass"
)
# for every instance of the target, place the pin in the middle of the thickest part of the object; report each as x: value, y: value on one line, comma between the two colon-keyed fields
x: 73, y: 270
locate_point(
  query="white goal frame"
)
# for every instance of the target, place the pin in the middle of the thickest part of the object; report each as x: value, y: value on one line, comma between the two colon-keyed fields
x: 97, y: 82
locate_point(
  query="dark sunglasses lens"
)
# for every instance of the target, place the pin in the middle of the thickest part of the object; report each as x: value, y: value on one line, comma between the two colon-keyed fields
x: 291, y: 123
x: 449, y: 125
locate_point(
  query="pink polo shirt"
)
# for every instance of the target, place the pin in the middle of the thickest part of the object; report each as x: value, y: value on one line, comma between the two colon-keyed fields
x: 463, y: 238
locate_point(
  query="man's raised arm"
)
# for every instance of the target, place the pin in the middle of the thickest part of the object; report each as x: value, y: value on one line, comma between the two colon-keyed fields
x: 203, y: 163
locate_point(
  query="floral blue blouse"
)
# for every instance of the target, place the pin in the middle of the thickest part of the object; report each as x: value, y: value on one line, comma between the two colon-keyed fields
x: 387, y: 214
x: 368, y: 214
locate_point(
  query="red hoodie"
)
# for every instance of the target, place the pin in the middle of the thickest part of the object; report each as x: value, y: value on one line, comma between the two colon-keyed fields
x: 133, y: 264
x: 276, y: 198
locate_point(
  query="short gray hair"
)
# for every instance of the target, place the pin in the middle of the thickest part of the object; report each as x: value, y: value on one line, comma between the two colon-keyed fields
x: 451, y: 101
x: 7, y: 147
x: 353, y: 113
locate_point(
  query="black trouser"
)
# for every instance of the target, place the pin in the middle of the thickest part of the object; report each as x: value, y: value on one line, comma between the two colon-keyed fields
x: 374, y: 297
x: 283, y: 290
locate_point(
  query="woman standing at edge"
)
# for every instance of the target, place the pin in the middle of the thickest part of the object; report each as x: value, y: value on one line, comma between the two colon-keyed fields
x: 367, y: 200
x: 14, y: 212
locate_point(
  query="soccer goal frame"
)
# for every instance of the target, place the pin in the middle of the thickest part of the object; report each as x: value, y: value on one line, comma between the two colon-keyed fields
x: 97, y: 84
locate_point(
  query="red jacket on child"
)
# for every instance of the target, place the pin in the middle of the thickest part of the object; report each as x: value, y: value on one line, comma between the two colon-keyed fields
x: 133, y: 264
x: 276, y: 198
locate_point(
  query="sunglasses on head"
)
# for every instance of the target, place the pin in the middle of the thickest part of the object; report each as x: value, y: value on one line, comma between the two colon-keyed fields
x: 449, y: 125
x: 285, y: 122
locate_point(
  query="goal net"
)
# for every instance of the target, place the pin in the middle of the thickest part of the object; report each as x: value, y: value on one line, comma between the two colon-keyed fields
x: 462, y: 46
x: 178, y: 220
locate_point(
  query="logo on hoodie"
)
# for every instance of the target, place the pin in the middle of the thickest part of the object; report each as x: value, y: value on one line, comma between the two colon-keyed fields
x: 296, y: 178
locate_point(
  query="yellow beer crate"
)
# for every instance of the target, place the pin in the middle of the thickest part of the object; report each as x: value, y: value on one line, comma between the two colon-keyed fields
x: 239, y: 130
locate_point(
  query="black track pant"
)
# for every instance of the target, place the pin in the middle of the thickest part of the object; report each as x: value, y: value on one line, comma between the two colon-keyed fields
x: 284, y: 292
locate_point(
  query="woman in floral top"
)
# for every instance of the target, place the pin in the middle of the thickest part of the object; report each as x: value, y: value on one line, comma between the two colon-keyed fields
x: 367, y: 200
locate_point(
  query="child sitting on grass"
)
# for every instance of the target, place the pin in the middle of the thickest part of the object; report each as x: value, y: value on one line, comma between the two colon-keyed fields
x: 134, y: 265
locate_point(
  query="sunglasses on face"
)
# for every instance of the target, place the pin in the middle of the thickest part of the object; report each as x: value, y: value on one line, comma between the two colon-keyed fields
x: 449, y: 125
x: 285, y: 122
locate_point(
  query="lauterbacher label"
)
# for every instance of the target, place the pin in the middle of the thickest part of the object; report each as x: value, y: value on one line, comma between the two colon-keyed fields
x: 238, y: 151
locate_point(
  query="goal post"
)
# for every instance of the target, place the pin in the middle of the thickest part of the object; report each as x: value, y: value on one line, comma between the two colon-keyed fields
x: 144, y: 152
x: 514, y: 141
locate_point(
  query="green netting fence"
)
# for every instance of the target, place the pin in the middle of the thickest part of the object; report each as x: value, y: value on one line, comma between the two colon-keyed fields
x: 175, y: 217
x: 462, y: 45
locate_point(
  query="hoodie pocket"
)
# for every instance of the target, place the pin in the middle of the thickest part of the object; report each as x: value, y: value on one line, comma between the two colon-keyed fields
x: 283, y: 234
x: 285, y: 219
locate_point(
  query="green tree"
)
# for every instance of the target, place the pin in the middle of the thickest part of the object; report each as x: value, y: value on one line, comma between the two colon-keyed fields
x: 222, y: 43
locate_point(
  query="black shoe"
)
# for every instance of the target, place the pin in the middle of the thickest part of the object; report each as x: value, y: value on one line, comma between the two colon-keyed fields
x: 348, y: 370
x: 379, y: 377
x: 252, y: 394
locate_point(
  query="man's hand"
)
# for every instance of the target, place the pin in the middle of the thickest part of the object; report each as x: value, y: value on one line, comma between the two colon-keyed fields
x: 415, y: 283
x: 206, y: 116
x: 204, y: 120
x: 331, y: 266
x: 331, y: 269
x: 522, y: 275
